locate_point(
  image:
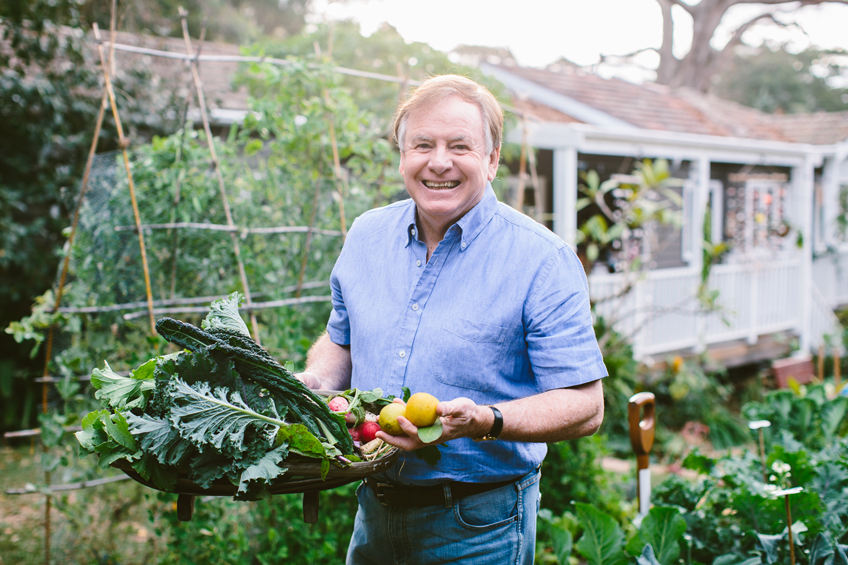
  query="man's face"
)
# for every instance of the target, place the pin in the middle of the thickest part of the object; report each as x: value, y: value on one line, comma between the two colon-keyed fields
x: 444, y: 163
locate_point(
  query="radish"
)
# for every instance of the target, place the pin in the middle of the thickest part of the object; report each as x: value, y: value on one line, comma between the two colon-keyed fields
x: 339, y: 404
x: 367, y: 431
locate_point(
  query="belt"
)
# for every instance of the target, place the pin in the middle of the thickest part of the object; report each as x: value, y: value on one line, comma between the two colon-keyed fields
x: 436, y: 495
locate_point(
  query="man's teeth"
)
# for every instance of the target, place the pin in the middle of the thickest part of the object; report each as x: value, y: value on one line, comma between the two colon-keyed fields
x: 439, y: 185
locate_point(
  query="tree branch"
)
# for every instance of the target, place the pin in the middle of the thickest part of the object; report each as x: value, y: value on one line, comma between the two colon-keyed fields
x: 687, y: 7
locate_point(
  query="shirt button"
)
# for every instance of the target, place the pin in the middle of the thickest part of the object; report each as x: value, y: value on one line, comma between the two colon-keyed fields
x: 463, y: 245
x: 418, y: 263
x: 415, y: 306
x: 413, y: 231
x: 402, y: 353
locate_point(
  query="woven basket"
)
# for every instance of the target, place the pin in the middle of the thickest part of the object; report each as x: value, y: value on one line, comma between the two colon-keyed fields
x: 302, y: 475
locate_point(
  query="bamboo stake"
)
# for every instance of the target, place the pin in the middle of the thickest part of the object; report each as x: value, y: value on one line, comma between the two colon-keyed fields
x: 837, y: 370
x: 821, y: 363
x: 124, y: 143
x: 789, y: 527
x: 216, y: 164
x: 235, y: 229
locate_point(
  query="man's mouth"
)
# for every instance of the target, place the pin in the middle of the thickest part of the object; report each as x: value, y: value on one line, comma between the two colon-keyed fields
x: 441, y: 185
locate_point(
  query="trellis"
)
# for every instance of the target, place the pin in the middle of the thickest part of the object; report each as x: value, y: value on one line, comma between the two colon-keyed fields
x: 151, y: 308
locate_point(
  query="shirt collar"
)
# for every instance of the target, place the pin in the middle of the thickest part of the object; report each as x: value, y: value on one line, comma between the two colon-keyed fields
x: 471, y: 224
x: 476, y: 219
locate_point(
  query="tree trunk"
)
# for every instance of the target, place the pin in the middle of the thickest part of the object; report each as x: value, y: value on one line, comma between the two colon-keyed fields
x: 697, y: 67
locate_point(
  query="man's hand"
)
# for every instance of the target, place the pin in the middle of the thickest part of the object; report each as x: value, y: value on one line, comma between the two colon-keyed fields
x: 311, y: 380
x: 461, y: 417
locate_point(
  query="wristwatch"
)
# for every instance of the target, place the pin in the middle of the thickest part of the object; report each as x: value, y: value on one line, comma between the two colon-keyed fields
x: 497, y: 426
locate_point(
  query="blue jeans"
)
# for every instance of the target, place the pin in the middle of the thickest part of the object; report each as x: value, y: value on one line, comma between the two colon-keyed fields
x: 495, y: 527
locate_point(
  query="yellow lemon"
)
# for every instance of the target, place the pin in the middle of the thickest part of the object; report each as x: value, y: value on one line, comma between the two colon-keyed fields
x: 388, y: 418
x: 421, y: 409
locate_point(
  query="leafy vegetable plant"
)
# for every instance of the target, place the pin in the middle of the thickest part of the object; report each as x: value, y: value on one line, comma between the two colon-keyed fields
x: 221, y: 408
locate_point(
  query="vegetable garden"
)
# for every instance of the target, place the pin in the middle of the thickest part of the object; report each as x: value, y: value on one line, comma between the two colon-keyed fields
x: 164, y: 229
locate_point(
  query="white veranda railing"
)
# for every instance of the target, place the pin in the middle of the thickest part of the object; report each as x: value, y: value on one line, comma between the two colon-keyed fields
x: 660, y: 313
x: 830, y: 275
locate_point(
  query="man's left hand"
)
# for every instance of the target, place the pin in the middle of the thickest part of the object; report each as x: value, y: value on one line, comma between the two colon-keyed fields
x: 461, y: 417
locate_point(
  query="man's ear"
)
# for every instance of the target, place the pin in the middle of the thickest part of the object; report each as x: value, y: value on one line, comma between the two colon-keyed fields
x: 400, y: 167
x: 494, y: 159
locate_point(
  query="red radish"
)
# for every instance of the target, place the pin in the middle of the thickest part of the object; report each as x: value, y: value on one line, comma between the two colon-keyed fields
x: 355, y: 433
x: 367, y: 431
x: 339, y: 404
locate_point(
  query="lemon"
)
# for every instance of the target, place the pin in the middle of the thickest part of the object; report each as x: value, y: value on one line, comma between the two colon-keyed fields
x: 388, y: 418
x: 421, y: 409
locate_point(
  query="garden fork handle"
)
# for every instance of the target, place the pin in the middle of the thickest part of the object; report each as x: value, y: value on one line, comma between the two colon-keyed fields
x: 641, y: 415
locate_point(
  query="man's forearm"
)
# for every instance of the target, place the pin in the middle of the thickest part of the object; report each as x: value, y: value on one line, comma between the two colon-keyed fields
x: 328, y: 365
x: 555, y: 415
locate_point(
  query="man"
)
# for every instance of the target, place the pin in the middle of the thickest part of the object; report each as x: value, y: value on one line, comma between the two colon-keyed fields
x: 455, y: 294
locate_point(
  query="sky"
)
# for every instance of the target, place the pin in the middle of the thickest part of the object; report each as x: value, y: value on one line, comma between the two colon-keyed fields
x: 539, y: 32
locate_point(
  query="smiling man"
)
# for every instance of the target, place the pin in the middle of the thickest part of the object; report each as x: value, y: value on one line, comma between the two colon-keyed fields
x: 456, y: 294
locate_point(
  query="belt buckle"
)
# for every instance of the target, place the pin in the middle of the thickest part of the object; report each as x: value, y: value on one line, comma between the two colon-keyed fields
x: 380, y: 491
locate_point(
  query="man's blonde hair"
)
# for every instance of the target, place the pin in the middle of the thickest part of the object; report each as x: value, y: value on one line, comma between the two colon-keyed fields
x: 436, y: 89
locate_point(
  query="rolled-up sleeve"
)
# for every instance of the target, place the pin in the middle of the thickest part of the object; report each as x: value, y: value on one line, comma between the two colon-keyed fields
x: 560, y: 338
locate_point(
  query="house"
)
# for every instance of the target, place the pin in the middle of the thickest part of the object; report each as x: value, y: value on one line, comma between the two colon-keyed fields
x: 775, y: 188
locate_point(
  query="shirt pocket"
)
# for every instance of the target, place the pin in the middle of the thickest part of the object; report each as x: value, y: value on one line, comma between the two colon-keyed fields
x: 472, y: 353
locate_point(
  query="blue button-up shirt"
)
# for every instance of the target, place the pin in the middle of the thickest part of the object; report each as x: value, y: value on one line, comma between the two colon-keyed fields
x: 499, y: 312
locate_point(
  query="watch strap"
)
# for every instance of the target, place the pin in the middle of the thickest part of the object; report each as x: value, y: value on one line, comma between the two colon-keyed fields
x: 497, y: 426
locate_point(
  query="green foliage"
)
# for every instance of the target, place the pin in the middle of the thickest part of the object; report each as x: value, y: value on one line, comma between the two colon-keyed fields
x: 601, y: 541
x: 50, y: 85
x: 687, y: 391
x: 662, y: 529
x: 224, y: 314
x: 620, y: 385
x: 732, y: 513
x: 810, y: 419
x: 385, y: 51
x: 572, y: 472
x: 774, y: 80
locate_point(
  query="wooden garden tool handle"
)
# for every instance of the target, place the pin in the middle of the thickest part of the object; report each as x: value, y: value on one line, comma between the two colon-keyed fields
x: 641, y: 412
x: 641, y: 415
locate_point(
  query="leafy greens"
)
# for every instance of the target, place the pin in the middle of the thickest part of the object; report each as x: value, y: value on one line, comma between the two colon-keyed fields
x: 223, y: 408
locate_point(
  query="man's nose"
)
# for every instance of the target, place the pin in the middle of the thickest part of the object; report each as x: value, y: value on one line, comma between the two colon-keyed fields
x: 440, y: 160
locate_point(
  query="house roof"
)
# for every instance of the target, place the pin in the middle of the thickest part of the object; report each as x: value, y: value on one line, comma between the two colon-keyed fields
x: 564, y: 94
x: 821, y: 128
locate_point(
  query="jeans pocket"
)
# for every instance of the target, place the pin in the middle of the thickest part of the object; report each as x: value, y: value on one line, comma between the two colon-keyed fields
x: 488, y: 510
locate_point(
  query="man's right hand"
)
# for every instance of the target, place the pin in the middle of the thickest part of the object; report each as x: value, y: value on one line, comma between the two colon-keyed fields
x: 309, y: 379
